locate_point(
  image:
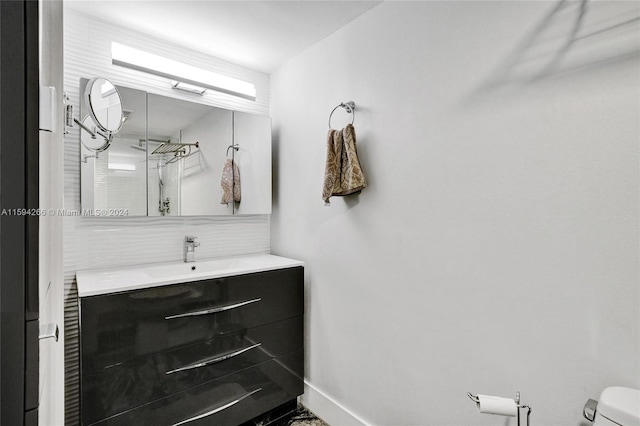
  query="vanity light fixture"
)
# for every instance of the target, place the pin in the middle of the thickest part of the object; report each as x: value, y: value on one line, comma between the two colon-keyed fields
x: 139, y: 60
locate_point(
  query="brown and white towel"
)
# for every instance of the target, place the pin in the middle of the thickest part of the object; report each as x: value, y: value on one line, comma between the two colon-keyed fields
x: 230, y: 183
x: 342, y: 174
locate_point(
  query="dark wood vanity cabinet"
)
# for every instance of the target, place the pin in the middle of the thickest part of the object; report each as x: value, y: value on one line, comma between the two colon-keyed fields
x: 212, y: 352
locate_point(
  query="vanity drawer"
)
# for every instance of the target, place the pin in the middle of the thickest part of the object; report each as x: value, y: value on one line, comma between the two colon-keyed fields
x: 121, y: 387
x: 228, y: 401
x: 122, y: 326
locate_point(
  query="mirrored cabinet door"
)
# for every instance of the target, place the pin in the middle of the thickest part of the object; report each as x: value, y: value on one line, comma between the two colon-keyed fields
x: 252, y: 137
x: 187, y: 148
x: 116, y: 178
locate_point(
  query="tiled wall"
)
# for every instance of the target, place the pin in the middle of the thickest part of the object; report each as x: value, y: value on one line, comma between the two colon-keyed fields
x: 108, y: 242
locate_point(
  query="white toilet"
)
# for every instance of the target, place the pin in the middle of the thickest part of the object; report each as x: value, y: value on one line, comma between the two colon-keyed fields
x: 617, y: 406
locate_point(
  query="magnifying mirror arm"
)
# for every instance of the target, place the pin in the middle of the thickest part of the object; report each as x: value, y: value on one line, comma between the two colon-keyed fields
x: 106, y: 135
x: 85, y: 128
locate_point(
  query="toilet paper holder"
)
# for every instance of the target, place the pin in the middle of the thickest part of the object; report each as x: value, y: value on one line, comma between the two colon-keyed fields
x: 475, y: 399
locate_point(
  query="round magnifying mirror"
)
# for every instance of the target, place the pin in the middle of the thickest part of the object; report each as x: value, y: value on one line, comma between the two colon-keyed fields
x: 97, y: 143
x: 105, y: 104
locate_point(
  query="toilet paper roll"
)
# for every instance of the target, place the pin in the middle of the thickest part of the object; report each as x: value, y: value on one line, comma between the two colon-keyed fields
x: 490, y: 404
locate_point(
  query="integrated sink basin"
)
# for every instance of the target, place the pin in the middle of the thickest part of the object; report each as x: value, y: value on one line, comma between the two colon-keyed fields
x: 103, y: 281
x: 205, y: 267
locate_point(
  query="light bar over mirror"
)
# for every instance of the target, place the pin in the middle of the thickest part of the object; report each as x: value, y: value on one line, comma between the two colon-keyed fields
x: 139, y: 60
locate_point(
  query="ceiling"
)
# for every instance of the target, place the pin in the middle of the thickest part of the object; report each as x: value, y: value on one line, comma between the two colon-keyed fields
x: 261, y: 35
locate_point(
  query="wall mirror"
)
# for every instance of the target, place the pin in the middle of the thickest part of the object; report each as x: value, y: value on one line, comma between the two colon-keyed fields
x: 169, y: 157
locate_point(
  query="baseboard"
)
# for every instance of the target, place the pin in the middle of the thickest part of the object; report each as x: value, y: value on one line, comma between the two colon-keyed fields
x: 328, y: 409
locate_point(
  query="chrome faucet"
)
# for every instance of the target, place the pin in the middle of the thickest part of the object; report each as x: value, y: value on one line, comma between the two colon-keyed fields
x: 189, y: 249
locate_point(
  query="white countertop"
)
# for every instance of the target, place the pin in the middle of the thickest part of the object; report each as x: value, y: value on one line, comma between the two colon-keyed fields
x: 103, y: 281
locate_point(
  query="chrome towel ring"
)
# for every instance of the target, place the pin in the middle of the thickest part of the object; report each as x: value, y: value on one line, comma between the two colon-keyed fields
x: 350, y: 107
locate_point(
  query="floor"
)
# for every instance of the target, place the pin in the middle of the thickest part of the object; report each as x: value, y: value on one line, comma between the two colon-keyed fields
x: 289, y: 414
x: 302, y: 417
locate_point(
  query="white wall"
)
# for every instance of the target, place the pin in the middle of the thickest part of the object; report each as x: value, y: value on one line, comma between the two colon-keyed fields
x: 496, y: 247
x: 110, y: 242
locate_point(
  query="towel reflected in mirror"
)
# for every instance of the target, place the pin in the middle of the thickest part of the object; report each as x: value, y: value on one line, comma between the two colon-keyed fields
x: 230, y: 182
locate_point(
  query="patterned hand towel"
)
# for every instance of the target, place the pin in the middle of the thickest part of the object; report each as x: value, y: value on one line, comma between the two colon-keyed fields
x: 230, y: 183
x: 343, y: 173
x: 332, y: 165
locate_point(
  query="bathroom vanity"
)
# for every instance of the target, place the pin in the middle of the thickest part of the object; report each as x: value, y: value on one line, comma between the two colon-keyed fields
x: 206, y: 343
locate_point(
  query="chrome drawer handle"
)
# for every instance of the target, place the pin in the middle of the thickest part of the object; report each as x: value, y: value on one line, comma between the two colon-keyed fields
x: 209, y: 361
x: 217, y: 410
x: 213, y: 310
